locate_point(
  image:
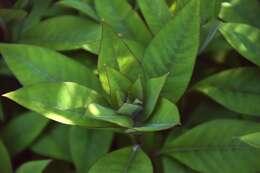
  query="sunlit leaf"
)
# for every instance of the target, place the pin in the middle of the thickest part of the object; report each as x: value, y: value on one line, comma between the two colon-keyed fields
x: 252, y: 139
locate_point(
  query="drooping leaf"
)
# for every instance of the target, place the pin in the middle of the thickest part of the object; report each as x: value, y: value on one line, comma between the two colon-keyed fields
x: 87, y: 146
x: 236, y: 89
x: 32, y: 65
x: 63, y: 102
x: 127, y: 160
x: 156, y: 14
x: 73, y: 33
x: 119, y: 54
x: 55, y: 143
x: 244, y: 38
x: 252, y: 139
x: 214, y: 147
x: 5, y: 161
x: 165, y: 116
x: 21, y: 131
x: 175, y: 53
x: 123, y: 19
x: 153, y: 89
x: 82, y: 7
x: 33, y: 166
x: 109, y: 115
x: 12, y: 14
x: 241, y: 11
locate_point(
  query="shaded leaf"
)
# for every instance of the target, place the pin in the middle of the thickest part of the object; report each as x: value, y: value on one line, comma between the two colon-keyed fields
x: 5, y: 161
x: 2, y: 117
x: 244, y: 38
x: 73, y: 33
x: 175, y: 53
x: 12, y: 14
x: 127, y: 160
x: 214, y: 147
x: 241, y: 95
x: 170, y: 165
x: 87, y: 146
x: 21, y: 131
x: 33, y: 166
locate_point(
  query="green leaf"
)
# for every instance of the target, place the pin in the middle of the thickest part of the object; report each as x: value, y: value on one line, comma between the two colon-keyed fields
x: 119, y: 54
x: 127, y: 160
x: 165, y: 116
x: 175, y: 53
x: 12, y: 14
x: 236, y: 89
x: 109, y: 115
x: 62, y: 102
x: 87, y: 146
x: 32, y: 65
x: 129, y: 109
x: 123, y: 19
x: 82, y: 7
x: 55, y: 143
x: 21, y: 131
x: 33, y: 166
x: 153, y: 89
x: 137, y: 91
x: 241, y: 11
x: 170, y: 165
x: 244, y: 38
x: 252, y: 139
x: 5, y: 161
x: 156, y: 14
x: 73, y: 33
x: 214, y: 147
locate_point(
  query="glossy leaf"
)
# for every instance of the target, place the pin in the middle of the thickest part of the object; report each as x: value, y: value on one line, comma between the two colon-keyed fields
x: 252, y: 139
x: 73, y: 33
x: 32, y: 65
x: 33, y: 166
x: 241, y: 11
x: 244, y: 38
x: 165, y: 116
x: 127, y: 160
x: 87, y: 146
x: 109, y: 115
x: 55, y: 143
x: 123, y: 19
x: 214, y: 147
x: 21, y: 131
x: 175, y: 53
x: 156, y: 14
x: 153, y: 89
x: 63, y: 102
x: 241, y: 95
x: 82, y: 7
x: 5, y: 161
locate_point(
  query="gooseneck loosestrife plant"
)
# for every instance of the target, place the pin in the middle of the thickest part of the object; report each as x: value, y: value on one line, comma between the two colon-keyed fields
x: 140, y: 86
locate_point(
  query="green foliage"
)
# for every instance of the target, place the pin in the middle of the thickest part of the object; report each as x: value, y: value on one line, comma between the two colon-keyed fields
x: 129, y: 86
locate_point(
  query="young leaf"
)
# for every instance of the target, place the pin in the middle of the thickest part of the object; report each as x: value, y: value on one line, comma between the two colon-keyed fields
x: 244, y: 38
x: 73, y: 33
x: 127, y: 160
x: 153, y: 89
x: 54, y: 143
x: 21, y: 131
x: 156, y: 14
x: 175, y: 53
x: 242, y: 11
x: 63, y: 102
x: 123, y: 19
x: 215, y: 147
x: 87, y: 146
x: 109, y: 115
x: 119, y: 54
x: 82, y: 7
x: 5, y: 161
x: 137, y: 90
x: 165, y: 116
x: 33, y: 166
x: 252, y: 139
x: 241, y: 95
x: 32, y: 65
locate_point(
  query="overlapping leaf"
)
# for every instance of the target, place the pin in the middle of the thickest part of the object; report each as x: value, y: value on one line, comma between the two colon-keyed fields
x: 33, y: 166
x: 5, y: 161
